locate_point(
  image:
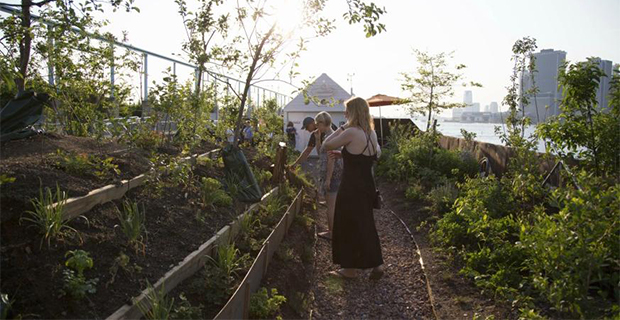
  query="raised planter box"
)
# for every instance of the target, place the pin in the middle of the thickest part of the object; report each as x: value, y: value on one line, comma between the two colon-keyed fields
x: 197, y: 259
x: 79, y: 205
x: 238, y: 306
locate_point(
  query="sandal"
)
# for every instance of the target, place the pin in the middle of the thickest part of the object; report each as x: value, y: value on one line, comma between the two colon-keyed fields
x: 376, y: 274
x: 325, y: 235
x: 340, y: 274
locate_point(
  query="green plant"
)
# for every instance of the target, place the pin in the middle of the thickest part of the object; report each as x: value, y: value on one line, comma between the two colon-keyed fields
x: 79, y: 260
x: 228, y: 260
x: 272, y: 210
x: 83, y: 164
x: 414, y: 192
x: 185, y: 310
x: 574, y: 253
x: 132, y: 224
x: 264, y: 305
x: 157, y: 305
x: 4, y: 179
x: 73, y: 163
x: 442, y: 197
x: 47, y: 215
x: 212, y: 194
x: 262, y: 176
x: 76, y: 286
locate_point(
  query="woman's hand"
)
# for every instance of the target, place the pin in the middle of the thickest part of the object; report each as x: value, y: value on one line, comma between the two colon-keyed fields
x: 335, y: 154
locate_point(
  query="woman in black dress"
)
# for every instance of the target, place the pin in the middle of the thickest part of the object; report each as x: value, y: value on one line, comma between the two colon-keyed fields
x: 355, y: 242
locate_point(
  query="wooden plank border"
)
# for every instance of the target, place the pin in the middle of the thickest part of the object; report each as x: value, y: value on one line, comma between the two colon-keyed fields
x: 80, y: 205
x: 238, y: 306
x: 190, y: 265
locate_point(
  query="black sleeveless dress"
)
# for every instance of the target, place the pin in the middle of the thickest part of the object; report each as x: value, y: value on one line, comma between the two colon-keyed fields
x: 355, y: 242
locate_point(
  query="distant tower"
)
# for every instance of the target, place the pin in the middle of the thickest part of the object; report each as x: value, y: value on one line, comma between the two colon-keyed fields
x: 603, y: 86
x: 468, y: 98
x: 494, y: 107
x: 548, y: 63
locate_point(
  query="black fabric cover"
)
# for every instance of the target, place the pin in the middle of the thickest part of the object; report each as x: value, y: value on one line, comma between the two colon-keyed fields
x: 238, y: 170
x: 19, y: 114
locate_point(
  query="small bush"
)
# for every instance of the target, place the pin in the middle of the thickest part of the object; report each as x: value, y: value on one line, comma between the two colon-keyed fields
x: 264, y: 305
x: 185, y: 310
x: 212, y: 194
x: 75, y: 284
x: 414, y: 192
x: 442, y: 197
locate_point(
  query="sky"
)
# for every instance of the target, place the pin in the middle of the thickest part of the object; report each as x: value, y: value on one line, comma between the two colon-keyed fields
x: 480, y: 32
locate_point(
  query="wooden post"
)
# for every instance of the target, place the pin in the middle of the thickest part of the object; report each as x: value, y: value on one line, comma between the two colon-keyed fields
x: 278, y: 170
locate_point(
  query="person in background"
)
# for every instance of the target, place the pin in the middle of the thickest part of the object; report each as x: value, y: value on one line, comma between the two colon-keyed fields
x: 230, y: 136
x: 330, y: 171
x: 248, y: 134
x: 309, y: 125
x: 355, y: 242
x: 291, y: 133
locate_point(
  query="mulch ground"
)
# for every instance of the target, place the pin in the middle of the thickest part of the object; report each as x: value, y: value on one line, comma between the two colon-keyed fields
x: 400, y: 294
x: 456, y: 297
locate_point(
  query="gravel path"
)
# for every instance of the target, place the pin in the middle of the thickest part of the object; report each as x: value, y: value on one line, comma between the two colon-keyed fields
x: 400, y: 294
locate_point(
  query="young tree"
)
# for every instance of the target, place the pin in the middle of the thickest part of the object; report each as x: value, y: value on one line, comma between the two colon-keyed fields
x: 74, y: 14
x: 432, y: 84
x: 252, y: 39
x: 584, y: 130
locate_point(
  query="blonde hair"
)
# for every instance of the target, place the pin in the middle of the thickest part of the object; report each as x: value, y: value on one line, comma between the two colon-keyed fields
x: 324, y: 118
x: 359, y: 114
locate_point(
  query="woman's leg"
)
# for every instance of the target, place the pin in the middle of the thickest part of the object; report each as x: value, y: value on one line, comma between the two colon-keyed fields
x: 331, y: 208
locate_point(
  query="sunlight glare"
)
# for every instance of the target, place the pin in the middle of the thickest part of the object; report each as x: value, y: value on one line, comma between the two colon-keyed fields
x: 288, y: 14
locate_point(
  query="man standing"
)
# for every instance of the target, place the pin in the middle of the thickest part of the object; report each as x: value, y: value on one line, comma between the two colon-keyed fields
x: 308, y: 125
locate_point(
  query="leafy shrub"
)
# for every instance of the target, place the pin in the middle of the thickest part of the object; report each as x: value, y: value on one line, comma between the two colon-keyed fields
x: 228, y: 260
x: 185, y: 310
x: 75, y: 284
x: 442, y: 197
x: 264, y: 305
x: 262, y: 176
x: 574, y: 253
x: 212, y: 194
x: 79, y: 260
x: 414, y: 192
x: 83, y: 164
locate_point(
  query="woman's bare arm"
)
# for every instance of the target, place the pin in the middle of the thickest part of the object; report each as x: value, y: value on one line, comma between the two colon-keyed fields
x: 338, y: 139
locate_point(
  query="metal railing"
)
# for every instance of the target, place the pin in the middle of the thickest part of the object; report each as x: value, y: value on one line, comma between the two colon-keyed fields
x: 281, y: 99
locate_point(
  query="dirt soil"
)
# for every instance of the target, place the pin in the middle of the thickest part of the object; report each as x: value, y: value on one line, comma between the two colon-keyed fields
x: 31, y: 162
x: 32, y: 274
x: 291, y: 271
x: 456, y: 297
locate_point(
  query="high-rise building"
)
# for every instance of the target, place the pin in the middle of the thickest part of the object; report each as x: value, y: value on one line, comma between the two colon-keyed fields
x: 475, y: 107
x: 468, y: 97
x: 545, y: 104
x: 603, y: 87
x: 494, y: 108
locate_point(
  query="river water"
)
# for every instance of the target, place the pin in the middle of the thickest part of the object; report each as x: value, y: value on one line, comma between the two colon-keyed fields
x: 485, y: 132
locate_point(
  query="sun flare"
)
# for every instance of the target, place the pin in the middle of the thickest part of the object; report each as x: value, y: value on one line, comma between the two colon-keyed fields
x: 288, y: 14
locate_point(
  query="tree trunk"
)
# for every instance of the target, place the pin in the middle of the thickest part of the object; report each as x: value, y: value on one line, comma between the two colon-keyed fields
x: 24, y: 47
x: 248, y: 80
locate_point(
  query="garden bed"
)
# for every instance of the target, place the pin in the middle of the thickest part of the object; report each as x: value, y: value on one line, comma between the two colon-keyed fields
x: 32, y: 273
x: 76, y: 164
x: 212, y: 294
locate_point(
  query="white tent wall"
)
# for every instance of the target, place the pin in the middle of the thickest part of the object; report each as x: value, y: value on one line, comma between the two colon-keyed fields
x: 330, y: 96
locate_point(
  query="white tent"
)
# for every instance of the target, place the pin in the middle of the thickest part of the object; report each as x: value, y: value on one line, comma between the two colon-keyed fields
x: 326, y: 95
